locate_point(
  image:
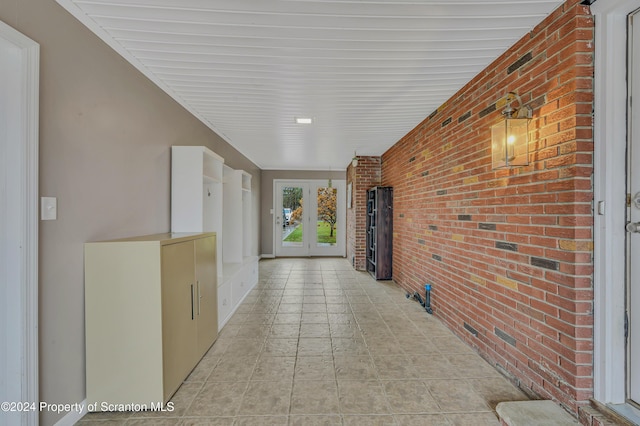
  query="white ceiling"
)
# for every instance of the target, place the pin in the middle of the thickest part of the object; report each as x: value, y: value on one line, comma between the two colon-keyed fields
x: 366, y: 71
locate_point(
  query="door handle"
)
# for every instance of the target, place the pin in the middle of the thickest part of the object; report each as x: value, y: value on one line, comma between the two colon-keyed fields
x: 192, y: 316
x: 633, y: 227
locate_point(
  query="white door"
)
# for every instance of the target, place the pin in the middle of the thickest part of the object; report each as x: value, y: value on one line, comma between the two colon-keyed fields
x: 633, y: 218
x: 19, y: 60
x: 310, y: 218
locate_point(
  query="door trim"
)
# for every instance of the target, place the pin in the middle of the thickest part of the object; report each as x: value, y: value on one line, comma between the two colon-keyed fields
x: 633, y: 186
x: 610, y: 141
x: 26, y: 168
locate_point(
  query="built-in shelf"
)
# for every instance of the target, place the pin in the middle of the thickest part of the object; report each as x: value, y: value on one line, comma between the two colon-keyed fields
x: 246, y: 181
x: 208, y: 195
x: 210, y: 179
x: 211, y: 165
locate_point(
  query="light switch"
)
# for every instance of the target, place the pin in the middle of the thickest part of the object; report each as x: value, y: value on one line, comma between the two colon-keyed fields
x: 48, y: 208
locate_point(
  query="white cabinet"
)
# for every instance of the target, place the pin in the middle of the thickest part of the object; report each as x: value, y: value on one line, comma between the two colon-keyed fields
x: 236, y: 218
x: 247, y: 229
x: 151, y: 312
x: 232, y: 217
x: 207, y: 195
x: 238, y: 258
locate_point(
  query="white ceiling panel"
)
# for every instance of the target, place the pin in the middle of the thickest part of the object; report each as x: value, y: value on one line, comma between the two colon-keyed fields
x: 366, y: 71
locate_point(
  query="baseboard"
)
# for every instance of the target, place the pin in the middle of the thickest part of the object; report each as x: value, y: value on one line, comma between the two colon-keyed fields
x: 73, y: 417
x: 267, y: 256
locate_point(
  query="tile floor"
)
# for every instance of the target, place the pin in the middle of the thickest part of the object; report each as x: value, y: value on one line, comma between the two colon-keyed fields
x: 317, y: 343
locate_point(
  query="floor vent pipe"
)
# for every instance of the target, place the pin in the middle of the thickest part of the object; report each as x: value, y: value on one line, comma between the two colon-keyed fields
x: 426, y: 303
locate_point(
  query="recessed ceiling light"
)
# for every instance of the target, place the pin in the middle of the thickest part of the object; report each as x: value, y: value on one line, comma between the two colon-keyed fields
x: 304, y: 120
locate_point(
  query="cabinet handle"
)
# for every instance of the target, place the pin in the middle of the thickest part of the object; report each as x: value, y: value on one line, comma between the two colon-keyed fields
x: 192, y: 317
x: 199, y: 296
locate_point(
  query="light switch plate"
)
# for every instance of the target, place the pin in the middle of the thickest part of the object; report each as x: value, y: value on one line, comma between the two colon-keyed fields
x: 48, y: 208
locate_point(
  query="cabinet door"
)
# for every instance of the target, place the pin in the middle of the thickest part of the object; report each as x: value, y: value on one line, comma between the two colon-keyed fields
x: 179, y: 331
x: 206, y: 293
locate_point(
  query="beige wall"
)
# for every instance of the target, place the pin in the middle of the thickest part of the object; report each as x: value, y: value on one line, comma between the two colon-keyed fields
x: 266, y: 198
x: 105, y: 134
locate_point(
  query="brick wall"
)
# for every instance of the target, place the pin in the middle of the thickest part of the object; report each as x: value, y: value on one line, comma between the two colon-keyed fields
x: 509, y: 252
x: 366, y: 175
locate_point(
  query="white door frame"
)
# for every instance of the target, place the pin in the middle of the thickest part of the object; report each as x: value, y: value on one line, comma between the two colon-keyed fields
x: 19, y: 85
x: 610, y: 140
x: 310, y: 205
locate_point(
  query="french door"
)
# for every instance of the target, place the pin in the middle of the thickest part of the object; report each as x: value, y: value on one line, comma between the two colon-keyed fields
x: 633, y: 214
x: 309, y: 217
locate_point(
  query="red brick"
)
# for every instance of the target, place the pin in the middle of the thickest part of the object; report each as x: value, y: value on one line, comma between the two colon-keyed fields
x: 536, y: 207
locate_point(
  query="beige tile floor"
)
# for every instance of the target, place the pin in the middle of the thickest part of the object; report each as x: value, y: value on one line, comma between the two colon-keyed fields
x: 317, y: 343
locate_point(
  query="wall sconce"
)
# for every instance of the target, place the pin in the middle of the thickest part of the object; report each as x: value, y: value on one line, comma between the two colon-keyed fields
x: 510, y: 137
x: 354, y: 160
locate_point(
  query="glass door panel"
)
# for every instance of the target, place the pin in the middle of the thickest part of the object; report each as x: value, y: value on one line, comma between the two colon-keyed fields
x: 326, y: 230
x: 328, y: 204
x: 292, y: 214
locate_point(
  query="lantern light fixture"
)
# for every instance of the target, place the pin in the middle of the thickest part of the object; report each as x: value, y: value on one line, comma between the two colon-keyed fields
x: 510, y: 137
x: 354, y: 160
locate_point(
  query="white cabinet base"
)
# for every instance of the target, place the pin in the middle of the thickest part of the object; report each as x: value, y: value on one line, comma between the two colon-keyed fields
x: 237, y: 282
